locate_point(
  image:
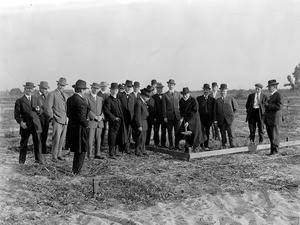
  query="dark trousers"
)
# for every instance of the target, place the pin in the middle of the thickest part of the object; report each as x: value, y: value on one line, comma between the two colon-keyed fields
x: 44, y: 135
x: 78, y: 162
x: 273, y: 134
x: 104, y: 131
x: 215, y: 131
x: 163, y: 133
x: 148, y: 135
x: 206, y: 129
x: 170, y: 125
x: 126, y: 147
x: 114, y: 132
x: 252, y: 122
x: 36, y: 146
x: 139, y: 139
x: 225, y: 127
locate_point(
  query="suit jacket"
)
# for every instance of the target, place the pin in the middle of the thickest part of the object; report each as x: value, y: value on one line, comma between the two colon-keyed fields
x: 127, y: 103
x: 55, y: 106
x: 224, y: 110
x: 41, y: 101
x: 102, y: 95
x: 95, y: 107
x: 171, y: 105
x: 77, y: 112
x: 273, y: 115
x: 206, y: 109
x: 158, y: 108
x: 25, y: 111
x: 137, y: 96
x: 212, y: 95
x: 250, y: 103
x: 140, y: 115
x: 151, y: 110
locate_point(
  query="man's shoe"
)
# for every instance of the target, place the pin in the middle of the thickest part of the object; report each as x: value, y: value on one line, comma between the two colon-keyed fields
x: 99, y: 157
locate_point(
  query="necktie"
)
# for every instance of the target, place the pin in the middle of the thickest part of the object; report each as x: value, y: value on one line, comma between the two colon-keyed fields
x: 62, y: 95
x: 257, y: 98
x: 29, y: 98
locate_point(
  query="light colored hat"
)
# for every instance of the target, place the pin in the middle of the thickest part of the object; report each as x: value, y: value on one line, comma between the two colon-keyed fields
x: 62, y: 81
x: 29, y: 85
x: 44, y: 84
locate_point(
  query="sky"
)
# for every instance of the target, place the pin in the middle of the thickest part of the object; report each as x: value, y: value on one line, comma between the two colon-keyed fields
x: 237, y: 42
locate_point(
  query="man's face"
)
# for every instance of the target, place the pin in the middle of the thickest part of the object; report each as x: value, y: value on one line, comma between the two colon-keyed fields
x: 159, y: 90
x: 60, y: 87
x: 272, y: 88
x: 146, y: 98
x: 44, y: 91
x: 258, y: 90
x: 114, y: 91
x: 223, y: 92
x: 129, y: 89
x: 28, y: 91
x: 215, y: 88
x: 94, y: 90
x: 103, y: 88
x: 186, y: 96
x: 171, y: 86
x: 205, y: 91
x: 136, y: 89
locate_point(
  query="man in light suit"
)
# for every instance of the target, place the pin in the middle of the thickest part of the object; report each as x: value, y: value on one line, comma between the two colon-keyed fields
x: 273, y: 116
x: 103, y: 94
x: 27, y: 109
x: 171, y: 114
x: 41, y: 95
x: 95, y: 103
x: 224, y: 111
x: 255, y: 111
x: 55, y: 108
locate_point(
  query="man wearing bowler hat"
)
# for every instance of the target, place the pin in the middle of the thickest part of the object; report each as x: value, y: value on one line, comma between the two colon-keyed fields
x: 139, y: 123
x: 273, y: 115
x: 136, y: 89
x: 117, y: 133
x: 224, y: 111
x: 171, y: 114
x: 41, y: 95
x: 26, y: 113
x: 77, y: 137
x: 255, y: 111
x: 55, y: 108
x: 103, y: 94
x: 206, y: 110
x: 96, y: 116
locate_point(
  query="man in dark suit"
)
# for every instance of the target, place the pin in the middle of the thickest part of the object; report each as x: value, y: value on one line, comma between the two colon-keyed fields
x: 255, y: 111
x: 273, y: 116
x: 103, y: 94
x: 41, y: 95
x: 117, y: 133
x: 224, y: 111
x: 171, y: 114
x: 206, y: 110
x: 158, y: 117
x: 136, y: 89
x: 140, y: 125
x: 151, y: 117
x: 26, y: 113
x: 76, y: 138
x: 127, y: 100
x: 95, y: 104
x: 215, y: 94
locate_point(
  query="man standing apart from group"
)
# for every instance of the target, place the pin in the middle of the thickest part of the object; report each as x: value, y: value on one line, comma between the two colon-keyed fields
x: 56, y: 110
x: 95, y: 104
x: 171, y: 114
x: 77, y: 112
x: 224, y: 112
x: 273, y: 116
x: 255, y: 111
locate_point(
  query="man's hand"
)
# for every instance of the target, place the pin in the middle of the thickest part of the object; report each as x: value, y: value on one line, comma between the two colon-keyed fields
x: 140, y: 129
x: 166, y: 120
x: 186, y: 124
x: 117, y: 119
x: 23, y: 125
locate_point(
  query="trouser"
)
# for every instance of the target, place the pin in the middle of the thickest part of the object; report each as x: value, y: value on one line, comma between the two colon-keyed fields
x: 94, y: 141
x: 163, y: 127
x: 44, y: 135
x: 252, y: 122
x: 148, y: 135
x: 273, y: 134
x: 207, y: 131
x: 139, y: 139
x: 104, y: 131
x: 170, y: 124
x: 78, y: 162
x: 215, y: 131
x: 225, y: 127
x: 24, y: 146
x: 126, y: 147
x: 58, y: 138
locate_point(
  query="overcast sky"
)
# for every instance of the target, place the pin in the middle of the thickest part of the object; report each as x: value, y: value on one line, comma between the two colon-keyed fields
x: 192, y: 41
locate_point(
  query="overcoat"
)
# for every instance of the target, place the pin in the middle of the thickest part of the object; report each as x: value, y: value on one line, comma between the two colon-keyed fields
x: 170, y: 103
x: 250, y: 103
x: 151, y: 110
x: 127, y: 103
x: 140, y: 115
x: 273, y: 115
x: 77, y: 112
x: 206, y: 110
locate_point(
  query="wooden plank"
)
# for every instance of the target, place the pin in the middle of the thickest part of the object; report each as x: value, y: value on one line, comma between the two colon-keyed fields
x: 174, y: 153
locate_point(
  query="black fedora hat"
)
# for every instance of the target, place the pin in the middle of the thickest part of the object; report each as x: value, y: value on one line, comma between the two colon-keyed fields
x: 272, y: 83
x: 81, y: 84
x: 121, y: 86
x: 136, y: 84
x: 206, y: 86
x: 114, y: 86
x: 146, y: 92
x: 29, y: 85
x: 185, y: 91
x: 223, y: 87
x: 128, y: 83
x: 153, y: 82
x: 150, y: 88
x: 214, y: 84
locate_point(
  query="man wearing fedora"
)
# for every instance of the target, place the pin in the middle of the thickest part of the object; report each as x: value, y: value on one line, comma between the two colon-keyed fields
x: 41, y: 95
x: 55, y: 108
x: 206, y: 110
x: 171, y: 114
x: 103, y: 94
x: 77, y: 137
x: 127, y: 100
x: 121, y: 88
x: 154, y: 84
x: 151, y: 116
x: 273, y: 115
x: 117, y: 133
x: 136, y: 89
x: 255, y: 111
x: 159, y: 122
x: 139, y: 124
x: 190, y: 121
x: 224, y: 111
x: 215, y: 94
x: 96, y: 116
x: 26, y: 113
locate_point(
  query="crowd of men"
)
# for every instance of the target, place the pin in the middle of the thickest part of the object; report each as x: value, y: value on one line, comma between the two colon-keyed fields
x: 80, y: 121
